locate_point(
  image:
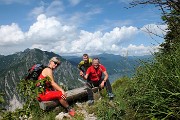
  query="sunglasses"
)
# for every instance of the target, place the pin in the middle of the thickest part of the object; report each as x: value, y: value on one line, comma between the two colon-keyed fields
x: 57, y: 63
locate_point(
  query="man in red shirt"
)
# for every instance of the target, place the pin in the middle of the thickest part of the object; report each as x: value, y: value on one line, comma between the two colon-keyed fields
x: 94, y: 79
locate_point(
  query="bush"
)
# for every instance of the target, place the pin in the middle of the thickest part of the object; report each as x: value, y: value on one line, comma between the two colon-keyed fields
x: 154, y: 92
x: 29, y: 92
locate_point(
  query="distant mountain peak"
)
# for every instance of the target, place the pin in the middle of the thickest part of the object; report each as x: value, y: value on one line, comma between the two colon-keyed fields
x: 1, y: 56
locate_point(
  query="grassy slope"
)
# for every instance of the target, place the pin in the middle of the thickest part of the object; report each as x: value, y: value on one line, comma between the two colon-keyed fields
x: 116, y: 109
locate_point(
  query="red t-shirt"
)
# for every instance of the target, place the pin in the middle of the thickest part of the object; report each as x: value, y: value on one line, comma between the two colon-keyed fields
x: 95, y: 74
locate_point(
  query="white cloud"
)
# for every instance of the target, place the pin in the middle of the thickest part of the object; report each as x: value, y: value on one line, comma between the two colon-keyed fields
x: 74, y: 2
x: 49, y: 29
x: 10, y: 34
x: 55, y: 8
x: 79, y: 18
x: 98, y: 42
x: 48, y: 33
x: 51, y: 9
x: 94, y: 11
x: 153, y: 29
x: 109, y: 24
x: 37, y: 11
x: 44, y: 29
x: 138, y: 50
x: 119, y: 35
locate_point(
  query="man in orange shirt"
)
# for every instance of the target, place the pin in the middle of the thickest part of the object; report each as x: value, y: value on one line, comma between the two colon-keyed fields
x: 94, y: 79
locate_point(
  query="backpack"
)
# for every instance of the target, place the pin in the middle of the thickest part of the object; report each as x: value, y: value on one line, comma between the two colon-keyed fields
x: 34, y: 72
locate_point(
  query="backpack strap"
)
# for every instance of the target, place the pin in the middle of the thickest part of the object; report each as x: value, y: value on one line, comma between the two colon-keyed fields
x: 48, y: 67
x: 90, y: 61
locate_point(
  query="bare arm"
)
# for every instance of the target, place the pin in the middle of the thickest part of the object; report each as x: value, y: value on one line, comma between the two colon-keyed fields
x: 105, y: 79
x: 105, y: 76
x: 85, y: 76
x: 49, y: 73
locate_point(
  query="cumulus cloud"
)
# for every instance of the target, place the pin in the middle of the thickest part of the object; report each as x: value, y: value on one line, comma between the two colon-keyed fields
x: 98, y: 42
x: 49, y: 34
x: 118, y: 35
x: 49, y: 29
x: 11, y: 34
x: 44, y: 29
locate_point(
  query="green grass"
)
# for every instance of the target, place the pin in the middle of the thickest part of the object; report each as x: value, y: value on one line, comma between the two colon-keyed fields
x: 116, y: 109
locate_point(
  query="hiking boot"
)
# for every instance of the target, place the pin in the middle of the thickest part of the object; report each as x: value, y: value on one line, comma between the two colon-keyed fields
x: 71, y: 112
x: 111, y: 96
x: 90, y: 102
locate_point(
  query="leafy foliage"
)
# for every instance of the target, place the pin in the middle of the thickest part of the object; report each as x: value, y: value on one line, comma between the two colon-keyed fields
x: 154, y: 92
x: 1, y: 102
x: 173, y: 35
x: 29, y: 92
x: 170, y: 10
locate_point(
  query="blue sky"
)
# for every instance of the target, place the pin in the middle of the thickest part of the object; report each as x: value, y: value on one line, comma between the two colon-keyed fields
x: 74, y: 27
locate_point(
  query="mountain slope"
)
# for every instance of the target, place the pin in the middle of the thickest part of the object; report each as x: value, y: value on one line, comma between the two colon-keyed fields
x: 13, y: 67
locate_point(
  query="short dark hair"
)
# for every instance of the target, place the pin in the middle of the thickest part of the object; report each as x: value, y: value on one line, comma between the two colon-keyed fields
x: 85, y: 55
x: 96, y: 59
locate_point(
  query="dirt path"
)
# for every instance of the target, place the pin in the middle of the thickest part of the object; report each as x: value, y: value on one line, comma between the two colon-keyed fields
x: 81, y: 110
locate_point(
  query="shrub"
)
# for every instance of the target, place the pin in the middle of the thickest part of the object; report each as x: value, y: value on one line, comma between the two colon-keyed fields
x: 154, y: 92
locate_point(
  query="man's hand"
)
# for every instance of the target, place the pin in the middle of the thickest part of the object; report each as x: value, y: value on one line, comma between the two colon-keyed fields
x: 64, y: 94
x: 102, y: 84
x: 81, y: 73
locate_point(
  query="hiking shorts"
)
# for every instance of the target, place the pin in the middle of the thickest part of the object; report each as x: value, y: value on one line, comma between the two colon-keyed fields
x: 50, y: 95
